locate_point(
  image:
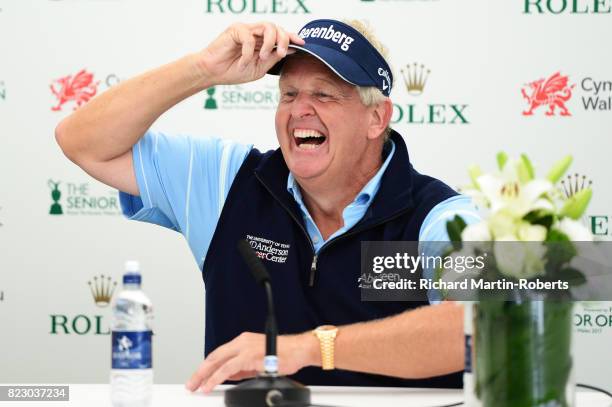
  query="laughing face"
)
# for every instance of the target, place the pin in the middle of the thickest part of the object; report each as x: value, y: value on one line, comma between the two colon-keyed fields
x: 324, y: 130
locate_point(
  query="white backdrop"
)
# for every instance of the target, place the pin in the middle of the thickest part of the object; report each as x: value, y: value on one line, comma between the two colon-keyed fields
x: 477, y: 55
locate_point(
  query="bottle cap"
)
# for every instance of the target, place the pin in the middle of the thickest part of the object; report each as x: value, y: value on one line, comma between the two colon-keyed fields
x: 132, y: 275
x: 132, y: 266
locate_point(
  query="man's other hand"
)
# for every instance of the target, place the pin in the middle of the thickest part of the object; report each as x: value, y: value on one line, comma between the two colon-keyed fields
x: 243, y: 357
x: 245, y: 52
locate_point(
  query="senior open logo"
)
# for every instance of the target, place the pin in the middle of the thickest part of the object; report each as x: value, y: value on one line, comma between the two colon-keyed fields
x: 81, y: 198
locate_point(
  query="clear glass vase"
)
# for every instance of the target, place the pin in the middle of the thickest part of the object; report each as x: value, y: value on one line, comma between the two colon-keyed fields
x: 522, y: 353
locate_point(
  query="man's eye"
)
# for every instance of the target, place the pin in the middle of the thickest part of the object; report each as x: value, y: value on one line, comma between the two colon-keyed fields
x: 322, y: 95
x: 288, y: 96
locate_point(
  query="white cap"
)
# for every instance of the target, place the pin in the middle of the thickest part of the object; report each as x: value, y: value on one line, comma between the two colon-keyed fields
x: 132, y: 266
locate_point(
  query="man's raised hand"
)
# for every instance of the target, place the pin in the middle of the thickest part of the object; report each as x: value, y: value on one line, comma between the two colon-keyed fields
x: 245, y: 52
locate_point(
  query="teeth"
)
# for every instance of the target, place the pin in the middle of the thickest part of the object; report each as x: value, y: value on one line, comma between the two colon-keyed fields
x: 306, y: 146
x: 301, y: 133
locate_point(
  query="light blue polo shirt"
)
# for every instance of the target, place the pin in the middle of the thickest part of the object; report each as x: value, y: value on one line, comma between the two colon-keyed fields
x: 351, y: 214
x: 184, y: 181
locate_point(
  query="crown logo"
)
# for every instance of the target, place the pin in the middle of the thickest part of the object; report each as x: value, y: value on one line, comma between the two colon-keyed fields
x: 575, y: 183
x: 102, y: 289
x: 415, y: 77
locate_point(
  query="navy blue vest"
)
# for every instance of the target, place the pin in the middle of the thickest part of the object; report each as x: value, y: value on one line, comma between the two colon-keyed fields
x: 306, y: 293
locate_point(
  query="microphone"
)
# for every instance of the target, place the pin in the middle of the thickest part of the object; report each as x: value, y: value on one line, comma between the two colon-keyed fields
x: 268, y: 389
x: 253, y: 262
x: 258, y: 270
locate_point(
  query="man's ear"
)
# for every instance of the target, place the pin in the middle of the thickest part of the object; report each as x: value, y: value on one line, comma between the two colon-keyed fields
x: 380, y: 117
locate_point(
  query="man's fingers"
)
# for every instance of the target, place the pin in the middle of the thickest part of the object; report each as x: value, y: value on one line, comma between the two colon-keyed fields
x: 210, y: 364
x: 257, y: 41
x: 296, y: 39
x: 204, y: 371
x: 282, y: 43
x: 243, y: 375
x: 230, y: 368
x: 247, y: 40
x: 266, y: 65
x: 269, y: 39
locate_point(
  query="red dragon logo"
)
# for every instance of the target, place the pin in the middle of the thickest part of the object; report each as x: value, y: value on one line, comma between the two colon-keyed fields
x: 78, y: 88
x: 552, y: 92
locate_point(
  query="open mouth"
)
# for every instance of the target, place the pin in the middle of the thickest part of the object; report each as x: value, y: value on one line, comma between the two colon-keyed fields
x: 308, y: 139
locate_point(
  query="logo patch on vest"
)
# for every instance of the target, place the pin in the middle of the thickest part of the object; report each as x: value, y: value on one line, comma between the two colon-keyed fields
x: 270, y: 250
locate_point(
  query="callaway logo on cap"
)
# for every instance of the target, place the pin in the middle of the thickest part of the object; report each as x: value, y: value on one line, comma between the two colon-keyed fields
x: 346, y: 52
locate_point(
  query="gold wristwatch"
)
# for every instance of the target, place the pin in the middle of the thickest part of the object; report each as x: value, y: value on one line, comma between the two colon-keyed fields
x: 327, y: 336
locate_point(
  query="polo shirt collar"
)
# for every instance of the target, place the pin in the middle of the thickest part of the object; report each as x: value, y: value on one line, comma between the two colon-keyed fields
x: 394, y: 191
x: 367, y: 193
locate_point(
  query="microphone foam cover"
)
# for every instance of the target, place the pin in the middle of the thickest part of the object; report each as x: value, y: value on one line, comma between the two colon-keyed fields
x: 253, y: 262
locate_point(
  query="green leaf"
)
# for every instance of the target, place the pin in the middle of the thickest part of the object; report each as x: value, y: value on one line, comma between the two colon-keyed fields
x: 540, y: 217
x: 460, y: 222
x: 523, y: 174
x: 558, y: 169
x: 559, y: 253
x: 575, y: 206
x: 572, y: 276
x: 526, y: 163
x: 475, y: 172
x: 555, y: 235
x: 454, y: 229
x: 523, y: 358
x: 502, y: 159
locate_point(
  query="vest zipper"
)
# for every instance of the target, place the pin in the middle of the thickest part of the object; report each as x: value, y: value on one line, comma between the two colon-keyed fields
x: 313, y: 270
x: 313, y: 265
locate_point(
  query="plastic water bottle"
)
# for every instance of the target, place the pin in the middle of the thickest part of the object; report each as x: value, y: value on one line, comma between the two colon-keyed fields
x: 131, y: 352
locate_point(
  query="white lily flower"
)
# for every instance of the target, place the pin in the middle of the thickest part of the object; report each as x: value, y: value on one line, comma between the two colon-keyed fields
x: 518, y: 245
x: 531, y: 233
x: 509, y: 257
x: 502, y: 224
x: 519, y: 199
x: 476, y: 232
x: 519, y: 259
x: 535, y: 260
x: 574, y: 230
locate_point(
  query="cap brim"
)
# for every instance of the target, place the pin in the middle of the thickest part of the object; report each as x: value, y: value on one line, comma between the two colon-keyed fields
x: 343, y: 66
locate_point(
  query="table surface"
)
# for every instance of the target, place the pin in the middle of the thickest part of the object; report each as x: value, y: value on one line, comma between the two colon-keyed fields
x: 173, y: 395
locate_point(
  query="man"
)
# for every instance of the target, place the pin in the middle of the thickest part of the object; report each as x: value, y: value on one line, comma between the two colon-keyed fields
x: 334, y: 182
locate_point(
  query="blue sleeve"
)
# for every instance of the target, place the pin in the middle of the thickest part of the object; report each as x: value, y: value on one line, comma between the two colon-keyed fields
x: 433, y: 231
x: 183, y: 182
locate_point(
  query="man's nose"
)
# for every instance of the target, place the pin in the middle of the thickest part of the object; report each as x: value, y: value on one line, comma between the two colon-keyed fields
x: 302, y: 106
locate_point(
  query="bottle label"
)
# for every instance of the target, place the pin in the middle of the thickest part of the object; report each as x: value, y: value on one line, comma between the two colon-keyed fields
x: 131, y: 350
x: 468, y: 353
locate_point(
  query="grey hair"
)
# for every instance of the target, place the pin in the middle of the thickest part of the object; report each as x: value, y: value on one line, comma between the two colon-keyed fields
x: 371, y: 95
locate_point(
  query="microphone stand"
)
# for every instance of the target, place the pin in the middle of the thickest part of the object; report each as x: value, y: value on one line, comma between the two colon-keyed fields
x: 268, y: 389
